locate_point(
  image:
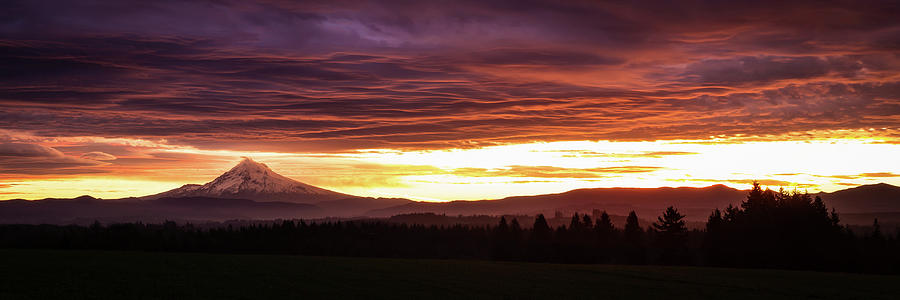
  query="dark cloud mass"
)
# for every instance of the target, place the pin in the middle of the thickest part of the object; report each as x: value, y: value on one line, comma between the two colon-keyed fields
x: 22, y: 158
x: 343, y: 75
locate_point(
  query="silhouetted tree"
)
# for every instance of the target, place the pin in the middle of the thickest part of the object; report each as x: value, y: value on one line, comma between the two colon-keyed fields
x: 502, y: 227
x: 775, y: 229
x: 605, y: 227
x: 540, y: 225
x: 714, y: 222
x: 606, y: 237
x: 770, y: 229
x: 575, y: 224
x: 633, y: 231
x: 635, y: 253
x: 514, y: 225
x: 713, y: 242
x: 515, y: 233
x: 502, y: 241
x: 876, y: 230
x: 671, y: 236
x: 671, y: 223
x: 540, y: 241
x: 586, y: 221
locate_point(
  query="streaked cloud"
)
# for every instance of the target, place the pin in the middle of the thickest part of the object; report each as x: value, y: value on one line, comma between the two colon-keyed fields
x: 550, y: 171
x: 300, y: 77
x: 97, y: 155
x: 340, y: 86
x: 20, y: 158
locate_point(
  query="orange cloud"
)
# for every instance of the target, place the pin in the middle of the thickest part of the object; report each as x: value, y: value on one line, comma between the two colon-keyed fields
x: 551, y: 172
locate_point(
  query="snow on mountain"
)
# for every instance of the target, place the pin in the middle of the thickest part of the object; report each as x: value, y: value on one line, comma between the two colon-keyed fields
x: 254, y: 181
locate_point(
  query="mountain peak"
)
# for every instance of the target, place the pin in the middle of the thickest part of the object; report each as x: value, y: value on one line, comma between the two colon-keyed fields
x: 249, y: 166
x: 249, y: 162
x: 255, y: 181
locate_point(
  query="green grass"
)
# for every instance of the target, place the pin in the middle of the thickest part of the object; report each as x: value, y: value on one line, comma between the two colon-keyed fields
x: 46, y: 274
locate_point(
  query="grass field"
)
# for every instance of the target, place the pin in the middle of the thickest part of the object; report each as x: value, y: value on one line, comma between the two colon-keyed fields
x: 44, y: 274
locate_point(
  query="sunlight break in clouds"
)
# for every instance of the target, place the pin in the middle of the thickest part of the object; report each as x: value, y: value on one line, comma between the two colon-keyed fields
x: 499, y: 171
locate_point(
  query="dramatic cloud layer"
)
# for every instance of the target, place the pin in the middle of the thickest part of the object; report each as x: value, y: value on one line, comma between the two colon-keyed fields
x: 18, y: 158
x: 434, y: 74
x: 86, y: 77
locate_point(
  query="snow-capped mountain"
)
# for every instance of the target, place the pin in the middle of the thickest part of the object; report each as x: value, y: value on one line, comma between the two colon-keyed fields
x: 254, y: 181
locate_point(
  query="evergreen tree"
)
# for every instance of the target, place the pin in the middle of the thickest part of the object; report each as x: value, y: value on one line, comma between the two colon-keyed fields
x: 671, y: 222
x: 605, y: 237
x: 714, y: 222
x: 759, y: 202
x: 586, y: 221
x: 604, y: 225
x: 876, y: 231
x: 502, y: 227
x: 635, y: 253
x: 575, y: 224
x: 502, y: 241
x: 633, y: 231
x: 540, y: 225
x: 514, y: 225
x: 672, y: 236
x: 539, y: 243
x: 714, y: 244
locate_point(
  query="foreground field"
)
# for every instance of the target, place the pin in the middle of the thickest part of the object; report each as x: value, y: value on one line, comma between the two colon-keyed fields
x: 26, y: 274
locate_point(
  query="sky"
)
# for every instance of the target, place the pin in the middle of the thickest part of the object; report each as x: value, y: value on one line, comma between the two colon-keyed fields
x: 444, y: 100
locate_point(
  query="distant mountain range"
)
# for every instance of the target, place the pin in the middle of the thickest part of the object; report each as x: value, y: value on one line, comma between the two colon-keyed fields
x: 858, y: 206
x: 694, y: 202
x: 251, y: 190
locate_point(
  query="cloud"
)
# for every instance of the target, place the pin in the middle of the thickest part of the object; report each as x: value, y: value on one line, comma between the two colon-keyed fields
x: 551, y: 172
x: 863, y: 175
x: 96, y: 155
x: 755, y: 70
x: 27, y: 150
x: 646, y: 154
x: 879, y: 174
x: 764, y: 182
x: 32, y: 159
x: 541, y: 57
x: 297, y: 77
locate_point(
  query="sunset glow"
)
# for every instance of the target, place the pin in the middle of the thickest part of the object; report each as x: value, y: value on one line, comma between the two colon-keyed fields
x: 490, y: 172
x: 438, y: 101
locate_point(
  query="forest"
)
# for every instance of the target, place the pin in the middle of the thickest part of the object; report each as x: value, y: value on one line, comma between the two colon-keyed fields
x: 770, y: 229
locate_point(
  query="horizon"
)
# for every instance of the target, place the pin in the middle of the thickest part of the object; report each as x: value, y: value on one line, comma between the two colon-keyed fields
x: 711, y: 185
x: 436, y: 101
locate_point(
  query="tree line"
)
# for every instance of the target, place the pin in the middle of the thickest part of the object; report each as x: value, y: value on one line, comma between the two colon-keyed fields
x: 786, y: 230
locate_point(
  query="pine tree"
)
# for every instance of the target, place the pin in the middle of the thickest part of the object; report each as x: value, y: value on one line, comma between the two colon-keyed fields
x: 539, y: 243
x: 586, y: 221
x: 672, y: 237
x: 575, y: 224
x: 714, y: 243
x: 604, y: 224
x: 633, y: 231
x: 876, y: 231
x: 514, y: 225
x: 671, y: 222
x: 502, y: 241
x: 634, y: 250
x: 540, y: 225
x: 714, y: 222
x: 502, y: 227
